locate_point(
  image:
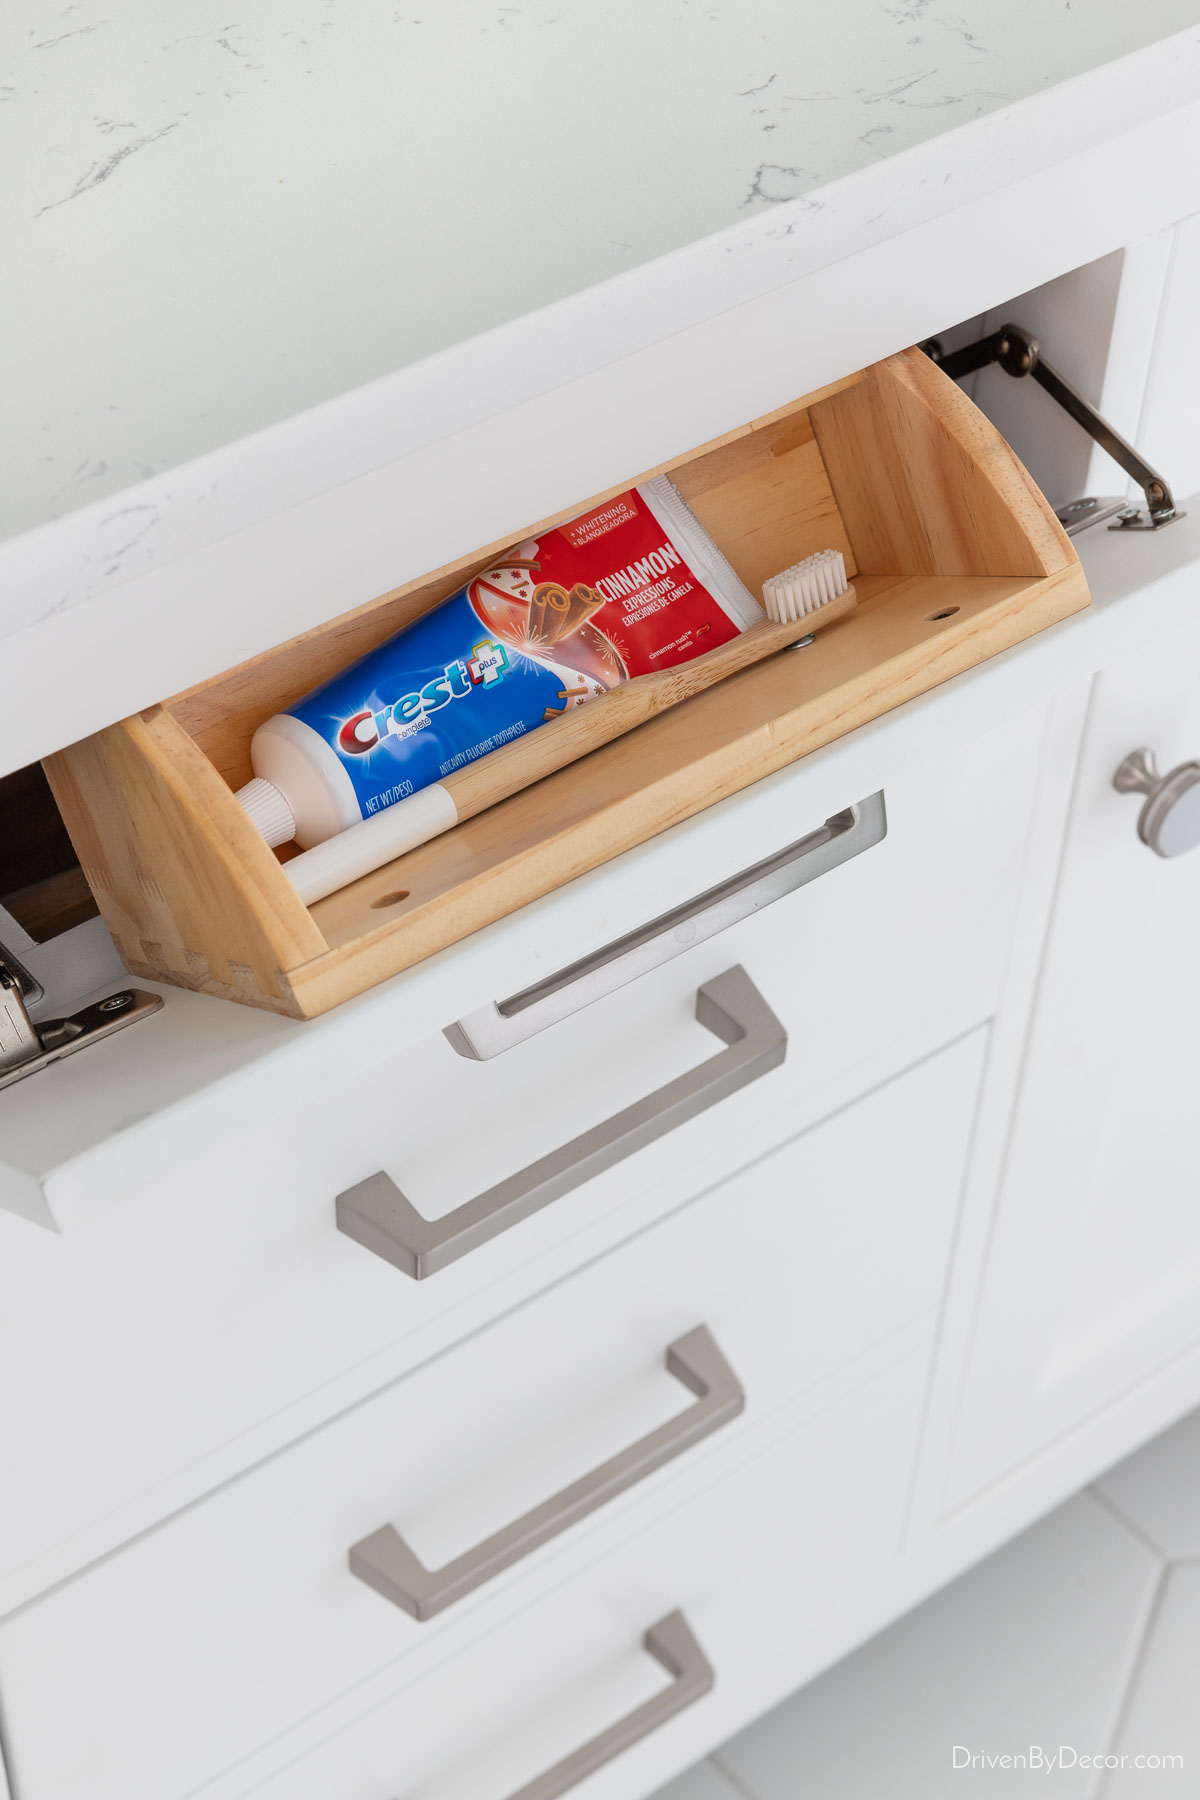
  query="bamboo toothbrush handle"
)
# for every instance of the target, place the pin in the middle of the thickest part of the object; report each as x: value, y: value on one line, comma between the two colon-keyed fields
x: 527, y: 759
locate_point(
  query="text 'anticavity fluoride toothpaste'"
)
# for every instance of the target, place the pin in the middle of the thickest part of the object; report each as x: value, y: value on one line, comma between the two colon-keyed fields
x: 633, y: 586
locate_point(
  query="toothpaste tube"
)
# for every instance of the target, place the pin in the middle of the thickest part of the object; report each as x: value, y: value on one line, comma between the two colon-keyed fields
x: 628, y: 588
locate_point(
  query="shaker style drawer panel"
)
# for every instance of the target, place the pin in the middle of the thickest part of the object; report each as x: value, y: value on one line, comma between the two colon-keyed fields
x: 776, y: 1570
x: 903, y: 944
x: 470, y: 1484
x: 211, y: 1308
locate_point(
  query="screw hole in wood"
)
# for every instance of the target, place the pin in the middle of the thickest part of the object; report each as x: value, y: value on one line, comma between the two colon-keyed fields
x: 392, y: 899
x: 947, y: 612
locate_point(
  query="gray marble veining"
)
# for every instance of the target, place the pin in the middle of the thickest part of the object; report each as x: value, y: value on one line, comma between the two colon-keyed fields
x: 213, y: 220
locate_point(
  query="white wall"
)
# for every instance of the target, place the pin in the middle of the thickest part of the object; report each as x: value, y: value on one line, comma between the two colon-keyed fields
x: 1169, y: 427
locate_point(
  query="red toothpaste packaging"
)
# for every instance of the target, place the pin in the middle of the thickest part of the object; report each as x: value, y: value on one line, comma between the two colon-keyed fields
x: 630, y: 587
x: 634, y: 585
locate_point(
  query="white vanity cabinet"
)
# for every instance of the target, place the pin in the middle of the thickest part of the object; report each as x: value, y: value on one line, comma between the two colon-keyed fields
x: 261, y: 1392
x: 226, y: 1313
x: 789, y: 1358
x: 1092, y: 1284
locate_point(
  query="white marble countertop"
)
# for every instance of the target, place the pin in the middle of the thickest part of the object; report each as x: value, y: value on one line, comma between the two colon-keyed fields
x: 308, y: 305
x: 213, y: 220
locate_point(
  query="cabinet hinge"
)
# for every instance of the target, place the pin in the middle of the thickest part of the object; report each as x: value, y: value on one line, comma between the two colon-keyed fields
x: 1019, y: 353
x: 25, y: 1047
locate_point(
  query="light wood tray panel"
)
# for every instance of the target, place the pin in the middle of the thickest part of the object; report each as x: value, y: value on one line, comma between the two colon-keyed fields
x: 762, y: 492
x: 958, y: 556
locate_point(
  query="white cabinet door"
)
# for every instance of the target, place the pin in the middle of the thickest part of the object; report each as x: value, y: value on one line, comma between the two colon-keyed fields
x: 1092, y: 1282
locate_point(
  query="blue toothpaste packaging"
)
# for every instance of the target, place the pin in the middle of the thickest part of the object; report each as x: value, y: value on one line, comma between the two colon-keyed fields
x: 630, y: 587
x: 443, y: 693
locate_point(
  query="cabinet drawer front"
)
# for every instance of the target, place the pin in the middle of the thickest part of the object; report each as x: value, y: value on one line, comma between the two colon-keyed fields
x: 199, y: 1306
x: 238, y: 1618
x: 778, y: 1570
x: 910, y: 932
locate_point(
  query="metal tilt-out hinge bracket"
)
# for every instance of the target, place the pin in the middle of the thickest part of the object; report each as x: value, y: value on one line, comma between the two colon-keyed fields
x: 1018, y: 353
x: 25, y: 1047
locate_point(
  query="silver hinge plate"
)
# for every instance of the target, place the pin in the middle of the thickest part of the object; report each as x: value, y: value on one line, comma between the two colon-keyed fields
x: 1132, y: 518
x: 31, y: 988
x: 1091, y: 510
x: 25, y: 1047
x: 19, y: 1042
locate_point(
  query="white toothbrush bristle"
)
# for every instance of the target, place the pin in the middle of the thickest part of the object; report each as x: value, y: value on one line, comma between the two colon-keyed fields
x: 805, y: 587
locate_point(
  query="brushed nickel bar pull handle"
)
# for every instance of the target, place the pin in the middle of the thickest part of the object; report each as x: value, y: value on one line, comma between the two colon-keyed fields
x: 669, y: 1642
x: 498, y: 1026
x: 376, y: 1214
x: 387, y: 1563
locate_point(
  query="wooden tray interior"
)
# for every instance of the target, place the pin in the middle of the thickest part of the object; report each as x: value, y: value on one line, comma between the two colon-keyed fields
x: 763, y: 495
x: 954, y: 552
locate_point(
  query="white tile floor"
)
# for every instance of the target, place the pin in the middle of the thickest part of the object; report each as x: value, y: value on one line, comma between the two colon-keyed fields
x: 1083, y: 1633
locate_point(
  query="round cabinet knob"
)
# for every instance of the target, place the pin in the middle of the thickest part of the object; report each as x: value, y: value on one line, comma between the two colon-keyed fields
x: 1170, y: 820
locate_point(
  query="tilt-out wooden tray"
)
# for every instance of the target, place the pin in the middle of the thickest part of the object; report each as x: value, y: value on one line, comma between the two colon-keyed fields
x: 954, y: 553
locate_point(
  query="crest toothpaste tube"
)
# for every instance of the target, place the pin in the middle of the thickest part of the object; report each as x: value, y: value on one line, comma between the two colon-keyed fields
x: 631, y: 587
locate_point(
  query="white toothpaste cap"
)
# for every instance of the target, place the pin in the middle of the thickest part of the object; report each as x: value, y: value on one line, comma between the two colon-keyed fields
x: 268, y: 811
x: 702, y: 556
